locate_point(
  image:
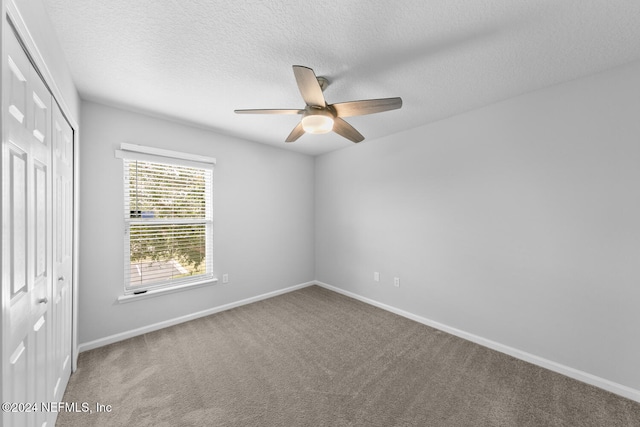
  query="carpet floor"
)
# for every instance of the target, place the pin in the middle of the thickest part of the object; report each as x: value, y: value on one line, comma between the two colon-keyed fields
x: 313, y: 357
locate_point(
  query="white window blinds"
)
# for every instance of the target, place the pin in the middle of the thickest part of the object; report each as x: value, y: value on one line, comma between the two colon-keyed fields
x: 168, y: 217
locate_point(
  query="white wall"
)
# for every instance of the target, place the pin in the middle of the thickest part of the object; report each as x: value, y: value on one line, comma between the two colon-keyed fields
x: 518, y: 222
x: 263, y: 220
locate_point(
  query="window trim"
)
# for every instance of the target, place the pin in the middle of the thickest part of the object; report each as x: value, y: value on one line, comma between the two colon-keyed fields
x: 129, y: 151
x: 166, y: 290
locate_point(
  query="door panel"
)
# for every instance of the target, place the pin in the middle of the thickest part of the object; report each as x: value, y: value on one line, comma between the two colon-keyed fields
x: 16, y: 386
x: 38, y: 126
x: 17, y: 208
x: 41, y: 351
x: 41, y: 230
x: 18, y: 276
x: 62, y: 235
x: 17, y: 83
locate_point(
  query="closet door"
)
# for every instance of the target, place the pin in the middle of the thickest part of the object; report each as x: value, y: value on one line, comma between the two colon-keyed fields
x: 62, y: 251
x: 26, y: 235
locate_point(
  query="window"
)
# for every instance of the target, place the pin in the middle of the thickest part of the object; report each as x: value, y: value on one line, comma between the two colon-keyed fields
x: 168, y: 218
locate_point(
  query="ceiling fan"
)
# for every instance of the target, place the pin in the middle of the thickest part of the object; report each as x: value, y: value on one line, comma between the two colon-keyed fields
x: 320, y: 117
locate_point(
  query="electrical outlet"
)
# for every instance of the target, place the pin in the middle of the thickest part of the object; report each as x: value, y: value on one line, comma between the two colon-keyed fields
x: 396, y: 282
x: 225, y: 278
x: 376, y: 276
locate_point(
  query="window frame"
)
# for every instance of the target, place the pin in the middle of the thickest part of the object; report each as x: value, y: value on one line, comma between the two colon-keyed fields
x: 134, y: 152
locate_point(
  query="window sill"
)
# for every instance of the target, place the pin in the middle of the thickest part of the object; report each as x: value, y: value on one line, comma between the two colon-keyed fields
x: 157, y: 292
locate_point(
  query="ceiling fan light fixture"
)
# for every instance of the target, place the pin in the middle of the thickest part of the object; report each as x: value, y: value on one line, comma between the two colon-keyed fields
x: 319, y: 117
x: 317, y: 123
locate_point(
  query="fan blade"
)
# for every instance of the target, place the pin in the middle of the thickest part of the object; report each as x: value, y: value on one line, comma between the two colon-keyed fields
x: 296, y: 133
x: 268, y: 111
x: 345, y: 129
x: 309, y: 87
x: 368, y: 106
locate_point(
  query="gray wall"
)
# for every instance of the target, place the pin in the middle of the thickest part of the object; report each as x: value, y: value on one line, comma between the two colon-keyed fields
x: 517, y: 222
x: 263, y: 220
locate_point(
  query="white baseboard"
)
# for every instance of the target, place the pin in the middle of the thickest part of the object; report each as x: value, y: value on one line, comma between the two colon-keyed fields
x: 166, y: 323
x: 576, y: 374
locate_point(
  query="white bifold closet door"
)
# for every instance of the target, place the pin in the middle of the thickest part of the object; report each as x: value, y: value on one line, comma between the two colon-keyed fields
x: 37, y: 154
x: 61, y: 304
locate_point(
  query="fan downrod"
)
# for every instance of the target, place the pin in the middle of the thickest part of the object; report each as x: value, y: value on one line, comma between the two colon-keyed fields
x: 323, y: 82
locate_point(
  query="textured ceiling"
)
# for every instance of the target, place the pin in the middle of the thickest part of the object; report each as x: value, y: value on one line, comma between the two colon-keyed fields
x: 197, y: 61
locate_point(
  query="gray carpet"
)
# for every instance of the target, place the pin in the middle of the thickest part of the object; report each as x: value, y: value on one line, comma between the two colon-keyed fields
x: 316, y: 358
